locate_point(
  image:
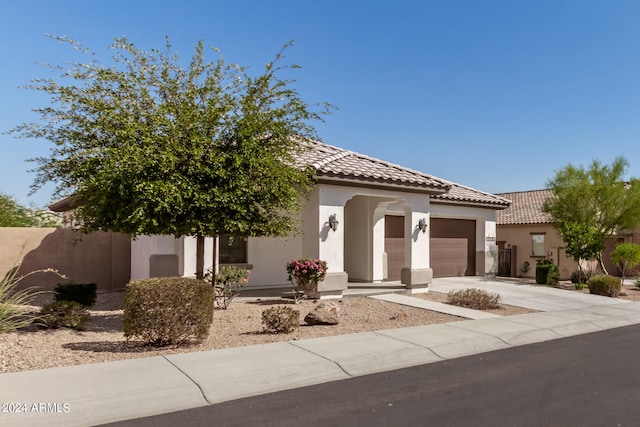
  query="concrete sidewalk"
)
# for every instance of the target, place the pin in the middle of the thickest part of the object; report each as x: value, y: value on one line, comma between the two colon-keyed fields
x: 105, y: 392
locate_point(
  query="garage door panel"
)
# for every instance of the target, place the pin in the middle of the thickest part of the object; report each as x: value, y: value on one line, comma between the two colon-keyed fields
x: 452, y: 247
x: 450, y: 257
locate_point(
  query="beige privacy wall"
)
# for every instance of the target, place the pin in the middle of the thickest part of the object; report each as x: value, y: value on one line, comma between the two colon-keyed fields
x: 102, y: 258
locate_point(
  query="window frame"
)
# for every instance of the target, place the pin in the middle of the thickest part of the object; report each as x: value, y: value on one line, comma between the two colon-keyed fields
x: 540, y: 245
x: 242, y: 260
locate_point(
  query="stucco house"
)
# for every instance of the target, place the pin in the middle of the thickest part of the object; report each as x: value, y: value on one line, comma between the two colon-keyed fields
x: 372, y: 221
x: 526, y: 233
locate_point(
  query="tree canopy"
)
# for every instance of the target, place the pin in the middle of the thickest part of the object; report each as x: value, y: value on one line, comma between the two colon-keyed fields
x: 147, y: 146
x: 626, y: 256
x: 13, y: 214
x: 589, y: 205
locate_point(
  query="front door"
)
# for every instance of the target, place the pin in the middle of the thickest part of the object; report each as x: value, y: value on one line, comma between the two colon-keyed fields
x: 394, y: 245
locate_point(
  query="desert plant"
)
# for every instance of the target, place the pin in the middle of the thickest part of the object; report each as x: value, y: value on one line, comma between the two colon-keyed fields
x: 637, y: 280
x: 13, y: 311
x: 304, y: 274
x: 168, y: 310
x: 67, y: 314
x: 477, y: 299
x: 280, y: 320
x: 553, y: 276
x: 580, y: 285
x: 82, y: 293
x: 607, y: 286
x: 228, y: 284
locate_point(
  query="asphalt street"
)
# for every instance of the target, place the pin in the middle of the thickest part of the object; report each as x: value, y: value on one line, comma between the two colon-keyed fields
x: 586, y: 380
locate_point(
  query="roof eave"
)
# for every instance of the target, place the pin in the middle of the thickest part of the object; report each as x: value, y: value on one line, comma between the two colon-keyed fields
x: 382, y: 185
x: 487, y: 205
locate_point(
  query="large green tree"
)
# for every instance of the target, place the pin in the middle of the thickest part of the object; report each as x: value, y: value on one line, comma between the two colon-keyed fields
x: 146, y: 145
x: 591, y: 204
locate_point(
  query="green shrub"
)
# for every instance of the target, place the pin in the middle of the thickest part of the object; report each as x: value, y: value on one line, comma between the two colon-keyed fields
x: 607, y: 286
x: 476, y: 299
x: 67, y: 314
x: 82, y: 293
x: 280, y: 320
x: 581, y: 276
x: 168, y: 310
x: 553, y: 276
x: 542, y: 270
x: 229, y: 282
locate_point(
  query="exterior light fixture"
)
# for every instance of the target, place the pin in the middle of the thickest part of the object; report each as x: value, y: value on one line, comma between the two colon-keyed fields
x: 333, y: 222
x: 422, y: 225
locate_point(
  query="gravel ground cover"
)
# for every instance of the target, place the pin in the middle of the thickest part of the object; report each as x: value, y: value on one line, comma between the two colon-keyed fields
x: 239, y: 325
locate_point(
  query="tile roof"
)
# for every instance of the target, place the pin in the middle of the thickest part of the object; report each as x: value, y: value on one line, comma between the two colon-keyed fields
x: 526, y: 208
x: 334, y: 163
x: 467, y: 195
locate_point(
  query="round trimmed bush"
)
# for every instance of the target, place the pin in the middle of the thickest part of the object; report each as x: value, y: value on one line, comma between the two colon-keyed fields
x: 607, y: 286
x: 168, y: 310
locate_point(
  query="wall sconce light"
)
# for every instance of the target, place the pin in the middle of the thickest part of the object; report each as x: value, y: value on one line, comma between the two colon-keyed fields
x: 333, y: 222
x: 422, y: 225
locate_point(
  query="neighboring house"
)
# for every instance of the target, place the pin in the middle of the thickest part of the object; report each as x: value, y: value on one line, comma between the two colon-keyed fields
x: 526, y: 233
x: 393, y: 224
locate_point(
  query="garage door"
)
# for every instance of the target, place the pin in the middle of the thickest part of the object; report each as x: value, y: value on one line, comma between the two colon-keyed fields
x: 453, y: 247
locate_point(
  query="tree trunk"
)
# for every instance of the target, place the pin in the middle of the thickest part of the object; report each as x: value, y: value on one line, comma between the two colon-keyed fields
x: 200, y: 257
x: 214, y: 268
x: 601, y: 264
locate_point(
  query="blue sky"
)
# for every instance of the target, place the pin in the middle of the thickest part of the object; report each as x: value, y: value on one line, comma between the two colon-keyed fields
x: 496, y: 95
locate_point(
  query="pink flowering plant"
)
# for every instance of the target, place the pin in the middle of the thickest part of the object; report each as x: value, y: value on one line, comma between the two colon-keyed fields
x: 229, y: 282
x: 304, y: 274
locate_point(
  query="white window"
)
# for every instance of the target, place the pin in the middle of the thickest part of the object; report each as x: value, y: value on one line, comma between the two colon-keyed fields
x: 537, y: 241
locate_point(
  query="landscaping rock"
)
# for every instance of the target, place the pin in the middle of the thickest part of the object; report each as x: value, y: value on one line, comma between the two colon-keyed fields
x: 325, y: 313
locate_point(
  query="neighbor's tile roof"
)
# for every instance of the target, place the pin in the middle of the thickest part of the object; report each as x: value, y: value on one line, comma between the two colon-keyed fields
x: 526, y: 208
x: 337, y: 163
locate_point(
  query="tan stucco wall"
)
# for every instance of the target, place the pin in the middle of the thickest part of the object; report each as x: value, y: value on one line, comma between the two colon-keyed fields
x: 102, y: 258
x: 520, y: 236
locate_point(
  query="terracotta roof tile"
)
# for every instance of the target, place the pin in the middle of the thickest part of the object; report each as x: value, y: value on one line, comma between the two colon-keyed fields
x: 526, y: 208
x: 464, y: 194
x: 334, y: 162
x: 330, y: 161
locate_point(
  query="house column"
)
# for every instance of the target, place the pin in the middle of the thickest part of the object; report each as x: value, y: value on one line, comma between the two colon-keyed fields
x: 416, y: 274
x: 490, y: 248
x: 329, y: 242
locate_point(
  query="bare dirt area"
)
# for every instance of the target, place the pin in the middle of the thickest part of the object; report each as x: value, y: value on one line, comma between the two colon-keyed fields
x: 239, y: 325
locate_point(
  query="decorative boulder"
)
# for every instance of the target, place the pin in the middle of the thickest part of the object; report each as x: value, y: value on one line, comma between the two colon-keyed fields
x: 325, y: 313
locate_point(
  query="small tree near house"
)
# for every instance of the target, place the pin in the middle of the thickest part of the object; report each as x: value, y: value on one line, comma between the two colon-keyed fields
x: 147, y: 146
x: 590, y: 205
x: 626, y: 256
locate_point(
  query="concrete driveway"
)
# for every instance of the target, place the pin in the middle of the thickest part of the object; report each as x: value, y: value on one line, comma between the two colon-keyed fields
x: 535, y: 297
